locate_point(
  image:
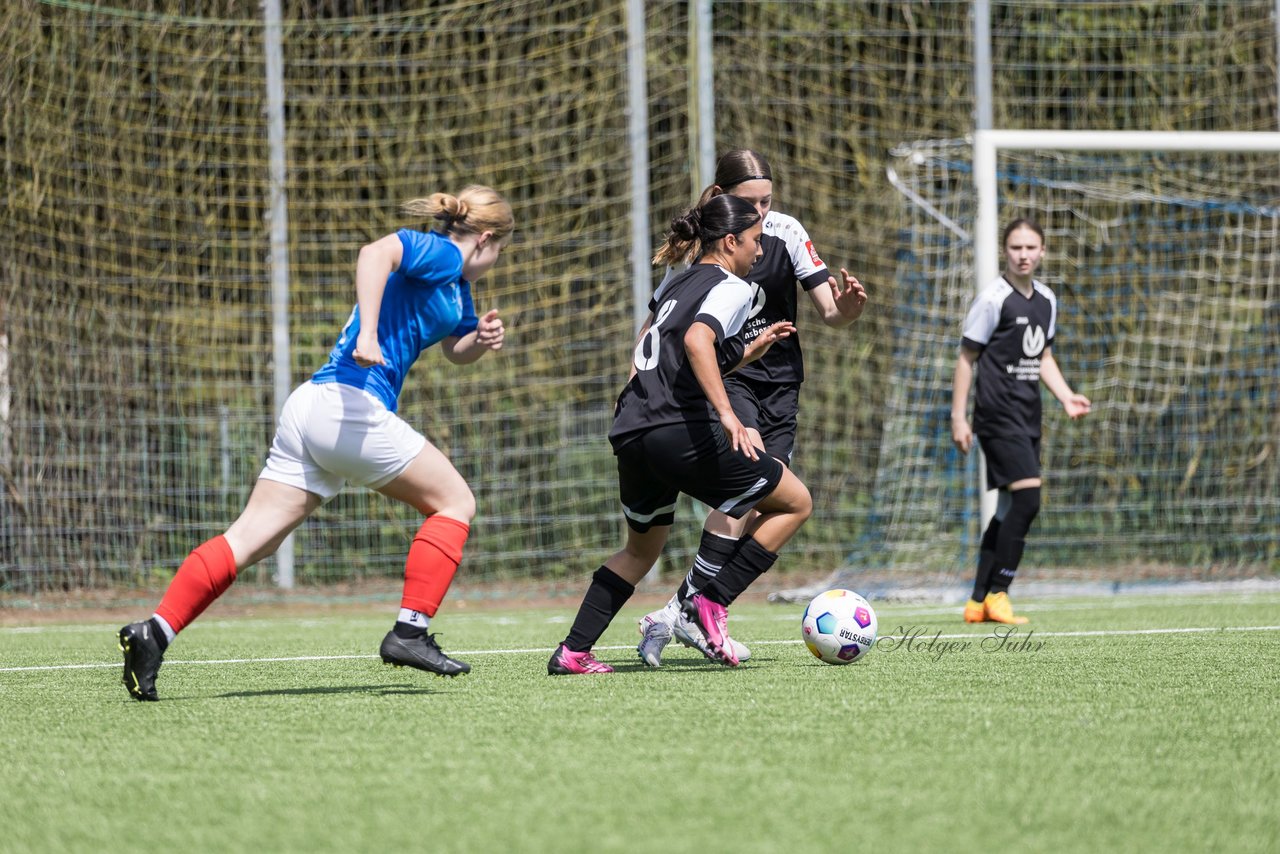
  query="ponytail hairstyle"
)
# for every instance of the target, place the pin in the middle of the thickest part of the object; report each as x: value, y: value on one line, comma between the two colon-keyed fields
x: 737, y: 167
x: 1020, y: 222
x: 474, y: 210
x: 695, y: 230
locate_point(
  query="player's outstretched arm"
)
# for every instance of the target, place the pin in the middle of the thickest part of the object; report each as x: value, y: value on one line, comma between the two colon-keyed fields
x: 840, y: 303
x: 1075, y: 405
x: 766, y: 339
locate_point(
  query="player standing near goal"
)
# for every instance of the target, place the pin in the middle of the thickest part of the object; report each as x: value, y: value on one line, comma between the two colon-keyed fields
x: 765, y: 394
x: 413, y: 289
x: 675, y: 431
x: 1008, y: 334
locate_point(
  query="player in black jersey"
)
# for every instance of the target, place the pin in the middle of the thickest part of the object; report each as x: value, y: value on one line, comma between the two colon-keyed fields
x: 765, y: 394
x: 1008, y: 334
x: 675, y: 431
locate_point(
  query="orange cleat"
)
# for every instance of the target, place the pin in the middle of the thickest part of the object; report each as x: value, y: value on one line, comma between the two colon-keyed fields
x: 975, y: 612
x: 1000, y: 610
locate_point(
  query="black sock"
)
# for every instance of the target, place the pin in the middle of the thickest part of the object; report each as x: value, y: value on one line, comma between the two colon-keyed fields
x: 161, y: 638
x: 605, y: 597
x: 751, y: 561
x: 408, y: 631
x: 1024, y: 504
x: 982, y: 579
x: 986, y: 560
x: 713, y: 552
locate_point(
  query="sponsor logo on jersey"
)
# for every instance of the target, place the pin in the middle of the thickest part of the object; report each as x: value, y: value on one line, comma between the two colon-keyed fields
x: 1032, y: 341
x: 1022, y: 321
x: 813, y: 254
x: 757, y: 300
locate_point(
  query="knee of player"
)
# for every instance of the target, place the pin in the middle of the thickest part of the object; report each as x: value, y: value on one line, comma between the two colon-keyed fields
x: 642, y: 551
x: 806, y: 505
x: 800, y: 501
x: 1026, y: 501
x: 460, y: 504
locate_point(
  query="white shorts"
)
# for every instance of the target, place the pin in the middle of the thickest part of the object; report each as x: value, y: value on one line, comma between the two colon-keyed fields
x: 330, y: 433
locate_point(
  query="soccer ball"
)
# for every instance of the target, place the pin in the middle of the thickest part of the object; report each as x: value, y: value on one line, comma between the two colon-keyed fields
x: 839, y: 626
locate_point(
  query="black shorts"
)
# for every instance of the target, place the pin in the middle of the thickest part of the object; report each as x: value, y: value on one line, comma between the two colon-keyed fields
x: 1010, y: 458
x: 696, y: 459
x: 771, y: 408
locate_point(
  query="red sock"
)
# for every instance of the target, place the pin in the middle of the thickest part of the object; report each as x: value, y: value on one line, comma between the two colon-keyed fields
x: 433, y: 559
x: 206, y: 573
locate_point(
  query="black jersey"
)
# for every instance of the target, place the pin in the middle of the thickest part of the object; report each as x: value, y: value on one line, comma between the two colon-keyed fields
x: 788, y: 257
x: 1010, y: 331
x: 664, y: 389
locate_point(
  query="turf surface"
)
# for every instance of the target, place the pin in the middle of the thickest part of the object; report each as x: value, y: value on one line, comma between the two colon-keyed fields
x: 1131, y: 723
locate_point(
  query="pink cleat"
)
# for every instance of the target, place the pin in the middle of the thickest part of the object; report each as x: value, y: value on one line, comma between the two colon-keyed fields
x: 565, y: 661
x: 713, y: 619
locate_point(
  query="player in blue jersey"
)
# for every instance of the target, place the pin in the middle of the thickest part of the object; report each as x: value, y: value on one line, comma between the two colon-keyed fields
x: 1008, y: 335
x: 674, y: 430
x: 413, y: 290
x: 766, y: 393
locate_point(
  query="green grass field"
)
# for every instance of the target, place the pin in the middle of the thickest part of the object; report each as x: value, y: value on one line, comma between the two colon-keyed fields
x: 1124, y: 724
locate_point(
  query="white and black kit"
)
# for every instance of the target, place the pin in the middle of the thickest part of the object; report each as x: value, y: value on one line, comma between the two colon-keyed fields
x: 766, y: 393
x: 666, y: 434
x: 1010, y: 331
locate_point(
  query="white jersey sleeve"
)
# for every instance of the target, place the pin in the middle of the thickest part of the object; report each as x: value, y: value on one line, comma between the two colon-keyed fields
x: 727, y: 304
x: 984, y: 314
x: 804, y: 258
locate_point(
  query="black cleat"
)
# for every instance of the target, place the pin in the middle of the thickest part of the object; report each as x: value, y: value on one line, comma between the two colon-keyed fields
x: 420, y: 652
x: 142, y: 658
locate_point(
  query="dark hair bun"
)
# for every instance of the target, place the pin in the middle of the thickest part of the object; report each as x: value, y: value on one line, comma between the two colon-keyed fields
x: 687, y: 225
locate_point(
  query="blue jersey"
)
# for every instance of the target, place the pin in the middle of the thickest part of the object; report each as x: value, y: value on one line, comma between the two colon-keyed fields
x: 426, y: 300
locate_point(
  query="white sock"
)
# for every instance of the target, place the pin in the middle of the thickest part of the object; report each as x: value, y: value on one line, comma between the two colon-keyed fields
x: 169, y: 633
x: 671, y: 610
x: 413, y: 618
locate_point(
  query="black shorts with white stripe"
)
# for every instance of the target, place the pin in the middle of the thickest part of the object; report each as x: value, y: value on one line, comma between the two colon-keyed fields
x: 694, y: 458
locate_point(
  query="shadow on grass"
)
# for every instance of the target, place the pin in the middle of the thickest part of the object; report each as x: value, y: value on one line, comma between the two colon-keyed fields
x: 688, y: 665
x: 373, y: 690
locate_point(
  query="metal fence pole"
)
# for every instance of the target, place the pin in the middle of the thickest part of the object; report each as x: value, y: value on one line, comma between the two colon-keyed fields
x: 278, y: 219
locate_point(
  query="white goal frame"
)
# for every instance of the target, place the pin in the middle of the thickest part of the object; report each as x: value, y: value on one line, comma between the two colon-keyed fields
x: 987, y: 145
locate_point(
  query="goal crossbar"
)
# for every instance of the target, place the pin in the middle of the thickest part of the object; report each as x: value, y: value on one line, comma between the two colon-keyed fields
x: 988, y: 143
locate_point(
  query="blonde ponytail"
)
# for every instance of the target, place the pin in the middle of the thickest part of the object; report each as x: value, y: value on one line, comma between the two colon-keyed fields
x: 474, y: 210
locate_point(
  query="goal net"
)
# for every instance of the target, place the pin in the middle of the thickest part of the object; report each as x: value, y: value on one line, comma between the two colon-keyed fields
x: 137, y: 296
x: 136, y: 337
x: 1165, y: 268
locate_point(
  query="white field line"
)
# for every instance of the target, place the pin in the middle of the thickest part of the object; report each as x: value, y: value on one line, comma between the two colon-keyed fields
x: 785, y: 613
x: 528, y: 651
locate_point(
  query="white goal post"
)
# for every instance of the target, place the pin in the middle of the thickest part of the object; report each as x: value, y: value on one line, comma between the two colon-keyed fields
x: 987, y: 145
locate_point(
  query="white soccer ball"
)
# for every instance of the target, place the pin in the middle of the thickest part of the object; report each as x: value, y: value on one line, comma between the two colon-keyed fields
x: 839, y: 626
